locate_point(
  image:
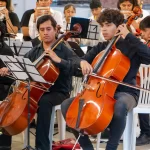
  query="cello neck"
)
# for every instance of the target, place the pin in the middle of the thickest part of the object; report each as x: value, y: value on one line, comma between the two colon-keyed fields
x: 103, y: 58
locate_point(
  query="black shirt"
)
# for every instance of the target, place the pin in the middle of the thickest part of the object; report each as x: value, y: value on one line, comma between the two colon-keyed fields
x: 35, y: 41
x: 135, y: 50
x: 69, y: 60
x: 5, y: 50
x: 14, y: 19
x: 5, y: 82
x: 25, y: 21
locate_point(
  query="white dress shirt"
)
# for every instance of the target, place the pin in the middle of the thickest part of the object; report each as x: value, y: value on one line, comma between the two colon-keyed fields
x: 145, y: 14
x: 32, y: 25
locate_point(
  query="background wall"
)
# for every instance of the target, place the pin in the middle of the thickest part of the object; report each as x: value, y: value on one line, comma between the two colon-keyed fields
x: 20, y: 6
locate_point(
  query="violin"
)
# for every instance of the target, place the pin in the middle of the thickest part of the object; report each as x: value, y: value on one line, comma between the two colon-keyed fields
x: 137, y: 14
x: 14, y: 109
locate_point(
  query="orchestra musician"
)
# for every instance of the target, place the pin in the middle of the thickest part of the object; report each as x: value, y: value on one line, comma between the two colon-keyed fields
x: 111, y: 22
x: 69, y: 11
x: 144, y: 119
x: 5, y: 83
x: 126, y: 8
x: 65, y: 59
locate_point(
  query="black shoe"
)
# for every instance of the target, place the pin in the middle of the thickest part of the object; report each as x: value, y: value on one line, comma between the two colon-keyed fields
x: 143, y: 139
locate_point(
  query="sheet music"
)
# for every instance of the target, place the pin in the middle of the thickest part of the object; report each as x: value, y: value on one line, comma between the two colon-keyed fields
x: 21, y: 47
x: 90, y: 28
x: 93, y: 30
x: 19, y: 72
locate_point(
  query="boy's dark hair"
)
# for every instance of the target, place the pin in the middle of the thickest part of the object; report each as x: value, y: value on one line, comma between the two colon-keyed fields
x: 45, y: 18
x: 95, y: 4
x: 145, y: 23
x: 8, y: 4
x: 111, y: 16
x: 134, y: 2
x: 68, y: 6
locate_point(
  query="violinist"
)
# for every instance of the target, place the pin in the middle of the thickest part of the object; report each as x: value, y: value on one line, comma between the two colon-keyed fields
x: 111, y: 22
x: 144, y: 137
x: 63, y: 58
x: 126, y: 8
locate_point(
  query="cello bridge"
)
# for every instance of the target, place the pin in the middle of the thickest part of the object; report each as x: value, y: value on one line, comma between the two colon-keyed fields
x: 88, y: 87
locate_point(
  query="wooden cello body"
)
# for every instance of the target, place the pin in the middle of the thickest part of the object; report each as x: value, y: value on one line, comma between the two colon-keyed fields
x: 92, y: 110
x: 97, y: 98
x: 14, y: 109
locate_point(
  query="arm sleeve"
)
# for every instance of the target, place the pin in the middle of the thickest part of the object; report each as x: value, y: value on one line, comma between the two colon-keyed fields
x: 143, y: 50
x: 14, y: 19
x: 25, y: 19
x: 89, y: 57
x: 32, y: 28
x: 59, y: 19
x: 71, y: 62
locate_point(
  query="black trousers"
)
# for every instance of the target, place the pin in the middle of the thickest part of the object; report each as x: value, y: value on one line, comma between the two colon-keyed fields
x: 144, y: 124
x: 124, y: 103
x: 47, y: 101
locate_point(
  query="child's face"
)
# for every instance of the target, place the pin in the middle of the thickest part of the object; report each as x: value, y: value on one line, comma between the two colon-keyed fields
x: 44, y: 3
x: 108, y: 30
x: 146, y: 34
x: 70, y: 12
x: 2, y: 3
x: 126, y: 5
x: 96, y: 12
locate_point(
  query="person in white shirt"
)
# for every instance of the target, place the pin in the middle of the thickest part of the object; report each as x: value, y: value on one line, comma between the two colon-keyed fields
x: 43, y: 8
x: 96, y: 8
x: 69, y: 11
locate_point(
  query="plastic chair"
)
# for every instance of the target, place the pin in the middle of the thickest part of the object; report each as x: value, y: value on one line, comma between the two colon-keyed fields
x: 129, y: 137
x: 61, y: 126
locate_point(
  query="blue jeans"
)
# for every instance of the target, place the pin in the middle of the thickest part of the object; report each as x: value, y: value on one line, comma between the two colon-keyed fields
x: 124, y: 103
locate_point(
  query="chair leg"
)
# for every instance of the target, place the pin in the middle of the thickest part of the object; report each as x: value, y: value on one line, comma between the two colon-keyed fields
x: 127, y: 132
x: 24, y: 136
x: 98, y: 141
x: 61, y: 125
x: 51, y: 131
x: 133, y: 135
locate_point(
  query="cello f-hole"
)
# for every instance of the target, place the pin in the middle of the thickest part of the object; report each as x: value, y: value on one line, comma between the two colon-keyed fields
x: 98, y: 96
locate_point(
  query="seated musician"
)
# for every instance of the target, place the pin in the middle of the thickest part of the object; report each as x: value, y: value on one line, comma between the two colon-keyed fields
x: 43, y: 8
x: 5, y: 82
x: 144, y: 119
x: 126, y: 8
x: 69, y: 11
x: 65, y: 59
x: 8, y: 17
x: 111, y: 22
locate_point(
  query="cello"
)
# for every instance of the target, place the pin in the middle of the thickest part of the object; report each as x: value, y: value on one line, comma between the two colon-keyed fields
x: 92, y: 110
x: 14, y: 109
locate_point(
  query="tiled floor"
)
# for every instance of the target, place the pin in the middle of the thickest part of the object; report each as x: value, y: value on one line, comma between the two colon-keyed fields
x: 18, y: 142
